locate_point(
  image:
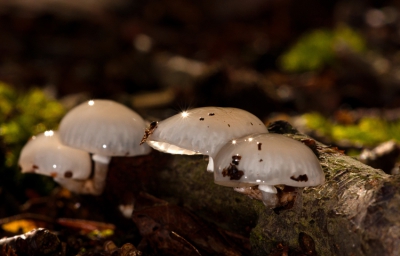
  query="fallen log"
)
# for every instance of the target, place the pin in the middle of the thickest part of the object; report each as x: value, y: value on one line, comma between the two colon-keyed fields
x: 355, y: 212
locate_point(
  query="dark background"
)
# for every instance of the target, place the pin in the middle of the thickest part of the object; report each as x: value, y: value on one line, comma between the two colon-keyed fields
x: 71, y: 47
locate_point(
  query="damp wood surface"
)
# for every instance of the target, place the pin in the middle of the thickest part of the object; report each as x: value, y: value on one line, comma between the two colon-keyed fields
x: 355, y: 212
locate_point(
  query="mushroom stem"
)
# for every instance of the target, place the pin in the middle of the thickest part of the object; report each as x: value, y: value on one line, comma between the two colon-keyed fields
x: 210, y: 166
x: 100, y: 173
x: 99, y: 177
x: 101, y: 159
x: 269, y: 195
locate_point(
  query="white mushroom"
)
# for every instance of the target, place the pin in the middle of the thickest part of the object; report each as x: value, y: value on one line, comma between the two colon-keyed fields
x: 267, y: 160
x: 201, y: 131
x: 44, y: 154
x: 104, y: 128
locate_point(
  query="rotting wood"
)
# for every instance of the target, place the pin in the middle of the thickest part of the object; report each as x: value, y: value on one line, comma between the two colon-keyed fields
x: 354, y: 213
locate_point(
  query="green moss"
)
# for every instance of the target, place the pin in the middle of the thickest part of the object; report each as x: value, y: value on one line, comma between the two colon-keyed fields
x: 260, y: 244
x: 369, y: 131
x: 316, y: 49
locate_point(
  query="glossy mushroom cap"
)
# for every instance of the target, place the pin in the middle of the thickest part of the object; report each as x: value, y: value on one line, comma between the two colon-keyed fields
x: 267, y: 159
x: 44, y: 154
x: 202, y: 130
x: 103, y: 127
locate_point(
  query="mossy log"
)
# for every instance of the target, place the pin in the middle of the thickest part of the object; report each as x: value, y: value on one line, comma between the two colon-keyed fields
x: 355, y: 212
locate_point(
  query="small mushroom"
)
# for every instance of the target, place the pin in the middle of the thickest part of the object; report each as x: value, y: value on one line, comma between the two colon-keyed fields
x: 278, y: 161
x: 202, y: 131
x: 104, y: 128
x: 44, y: 154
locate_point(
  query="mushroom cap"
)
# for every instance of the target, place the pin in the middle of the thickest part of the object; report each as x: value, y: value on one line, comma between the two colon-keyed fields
x: 203, y: 130
x: 267, y: 159
x: 104, y: 127
x: 44, y: 154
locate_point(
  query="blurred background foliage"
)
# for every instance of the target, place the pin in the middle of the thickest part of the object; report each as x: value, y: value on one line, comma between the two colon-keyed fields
x: 317, y: 49
x: 367, y: 132
x: 24, y: 114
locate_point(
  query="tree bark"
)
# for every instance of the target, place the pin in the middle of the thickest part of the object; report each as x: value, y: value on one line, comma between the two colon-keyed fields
x: 355, y: 212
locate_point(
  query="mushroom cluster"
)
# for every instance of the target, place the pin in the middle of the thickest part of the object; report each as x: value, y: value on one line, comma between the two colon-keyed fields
x: 100, y: 128
x: 241, y: 151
